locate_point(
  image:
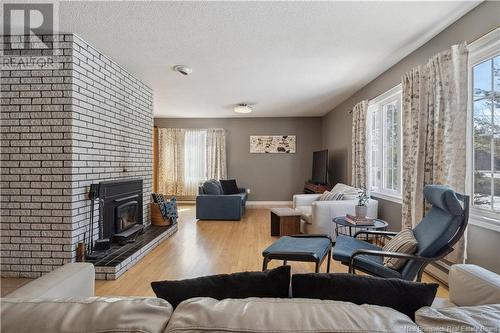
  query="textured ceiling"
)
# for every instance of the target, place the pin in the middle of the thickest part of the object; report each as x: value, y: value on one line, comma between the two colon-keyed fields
x: 289, y: 58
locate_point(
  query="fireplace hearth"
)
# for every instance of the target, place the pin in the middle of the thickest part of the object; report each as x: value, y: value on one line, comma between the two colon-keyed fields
x: 122, y: 258
x: 121, y: 220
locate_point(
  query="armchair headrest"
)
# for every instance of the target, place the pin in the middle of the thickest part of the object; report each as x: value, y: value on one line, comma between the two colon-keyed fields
x: 444, y: 198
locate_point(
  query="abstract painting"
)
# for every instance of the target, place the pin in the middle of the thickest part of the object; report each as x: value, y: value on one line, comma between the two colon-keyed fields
x: 273, y: 144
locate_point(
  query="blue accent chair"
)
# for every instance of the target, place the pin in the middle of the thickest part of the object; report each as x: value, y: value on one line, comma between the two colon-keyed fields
x: 213, y: 204
x: 442, y: 226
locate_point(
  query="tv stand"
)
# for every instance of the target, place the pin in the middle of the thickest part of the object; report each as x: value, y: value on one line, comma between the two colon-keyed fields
x: 311, y: 188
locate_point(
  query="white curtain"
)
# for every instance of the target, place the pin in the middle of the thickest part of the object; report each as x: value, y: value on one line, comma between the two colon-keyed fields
x: 359, y: 174
x: 216, y: 154
x: 187, y: 157
x: 434, y: 127
x: 171, y: 161
x: 195, y: 158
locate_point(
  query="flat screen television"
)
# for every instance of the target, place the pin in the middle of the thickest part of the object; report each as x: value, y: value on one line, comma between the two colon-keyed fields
x: 320, y: 167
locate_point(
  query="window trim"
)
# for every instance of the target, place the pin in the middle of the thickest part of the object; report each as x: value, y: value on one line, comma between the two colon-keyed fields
x: 388, y: 195
x: 482, y: 49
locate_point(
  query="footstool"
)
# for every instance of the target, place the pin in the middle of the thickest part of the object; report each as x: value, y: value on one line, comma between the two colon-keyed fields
x: 309, y: 248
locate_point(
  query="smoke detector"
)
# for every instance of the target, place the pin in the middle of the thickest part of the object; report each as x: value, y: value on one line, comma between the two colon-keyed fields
x: 183, y: 69
x: 242, y: 108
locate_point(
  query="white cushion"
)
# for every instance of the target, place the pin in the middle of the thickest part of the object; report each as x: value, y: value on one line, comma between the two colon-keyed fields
x: 70, y: 280
x: 439, y: 303
x: 284, y: 315
x: 92, y: 314
x: 339, y: 187
x: 349, y: 192
x: 480, y: 318
x: 473, y: 285
x: 306, y: 213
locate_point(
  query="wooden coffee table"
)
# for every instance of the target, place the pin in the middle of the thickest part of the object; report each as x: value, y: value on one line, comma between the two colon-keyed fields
x: 285, y: 221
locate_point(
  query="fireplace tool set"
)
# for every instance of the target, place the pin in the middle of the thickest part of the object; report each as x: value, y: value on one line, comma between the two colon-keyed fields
x: 120, y: 218
x: 99, y: 248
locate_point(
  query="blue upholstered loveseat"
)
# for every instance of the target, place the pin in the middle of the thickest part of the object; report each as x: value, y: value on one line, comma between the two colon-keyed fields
x: 213, y: 204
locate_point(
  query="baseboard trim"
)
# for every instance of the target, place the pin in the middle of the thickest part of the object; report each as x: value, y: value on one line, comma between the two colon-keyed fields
x: 249, y: 203
x: 268, y: 203
x: 186, y: 202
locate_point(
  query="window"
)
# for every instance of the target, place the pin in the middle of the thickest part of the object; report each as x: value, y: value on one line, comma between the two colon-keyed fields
x: 384, y: 144
x: 484, y: 126
x: 195, y: 168
x: 187, y: 157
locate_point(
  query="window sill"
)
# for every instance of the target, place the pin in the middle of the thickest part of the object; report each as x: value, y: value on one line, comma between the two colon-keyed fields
x: 387, y: 197
x: 484, y: 222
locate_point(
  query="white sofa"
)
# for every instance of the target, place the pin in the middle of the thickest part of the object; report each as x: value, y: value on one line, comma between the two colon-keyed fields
x: 317, y: 215
x: 62, y: 301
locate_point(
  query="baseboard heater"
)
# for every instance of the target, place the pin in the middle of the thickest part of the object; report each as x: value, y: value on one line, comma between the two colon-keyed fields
x: 439, y: 270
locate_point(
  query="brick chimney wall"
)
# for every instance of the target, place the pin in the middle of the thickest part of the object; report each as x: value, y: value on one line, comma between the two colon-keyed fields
x: 88, y: 120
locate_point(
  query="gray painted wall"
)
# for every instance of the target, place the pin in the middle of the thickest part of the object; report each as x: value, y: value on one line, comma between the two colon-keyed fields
x: 271, y: 177
x: 337, y: 123
x: 390, y: 211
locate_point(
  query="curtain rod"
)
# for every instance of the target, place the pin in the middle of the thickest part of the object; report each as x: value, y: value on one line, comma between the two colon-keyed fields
x: 468, y: 43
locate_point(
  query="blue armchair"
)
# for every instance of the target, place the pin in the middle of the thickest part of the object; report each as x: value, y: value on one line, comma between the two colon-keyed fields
x: 442, y: 226
x: 213, y: 204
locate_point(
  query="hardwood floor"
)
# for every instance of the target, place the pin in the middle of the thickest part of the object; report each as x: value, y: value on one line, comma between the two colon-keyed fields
x: 208, y: 247
x: 8, y: 285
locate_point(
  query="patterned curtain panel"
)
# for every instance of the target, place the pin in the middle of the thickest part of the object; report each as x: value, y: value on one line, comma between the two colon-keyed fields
x: 187, y: 157
x: 359, y: 174
x: 434, y: 123
x: 216, y: 154
x: 171, y: 161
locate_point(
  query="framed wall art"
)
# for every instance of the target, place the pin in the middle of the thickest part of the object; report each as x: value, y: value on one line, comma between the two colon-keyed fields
x: 272, y: 144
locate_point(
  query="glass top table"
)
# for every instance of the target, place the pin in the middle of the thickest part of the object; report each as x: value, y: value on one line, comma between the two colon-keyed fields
x: 342, y: 227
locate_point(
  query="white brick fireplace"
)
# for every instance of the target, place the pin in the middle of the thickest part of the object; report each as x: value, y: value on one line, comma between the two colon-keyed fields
x: 85, y: 122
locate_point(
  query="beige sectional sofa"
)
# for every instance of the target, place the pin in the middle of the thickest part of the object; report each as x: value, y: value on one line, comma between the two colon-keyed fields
x: 63, y: 301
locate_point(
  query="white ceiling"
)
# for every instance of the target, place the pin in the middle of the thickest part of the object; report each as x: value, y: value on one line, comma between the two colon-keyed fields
x: 289, y: 58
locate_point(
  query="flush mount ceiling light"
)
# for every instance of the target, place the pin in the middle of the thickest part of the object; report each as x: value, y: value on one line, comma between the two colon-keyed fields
x: 183, y: 69
x: 242, y: 108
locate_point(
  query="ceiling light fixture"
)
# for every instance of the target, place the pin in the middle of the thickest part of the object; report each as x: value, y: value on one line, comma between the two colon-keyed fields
x: 183, y: 69
x: 242, y: 108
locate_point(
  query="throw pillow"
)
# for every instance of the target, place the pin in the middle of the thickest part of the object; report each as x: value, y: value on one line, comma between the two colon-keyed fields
x: 229, y: 186
x: 325, y: 196
x: 403, y: 242
x: 329, y: 196
x: 339, y: 187
x: 212, y: 187
x: 157, y: 197
x: 403, y: 296
x: 352, y: 193
x: 271, y: 283
x: 169, y: 209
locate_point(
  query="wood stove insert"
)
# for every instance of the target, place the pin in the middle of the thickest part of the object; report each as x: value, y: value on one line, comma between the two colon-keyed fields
x: 121, y: 209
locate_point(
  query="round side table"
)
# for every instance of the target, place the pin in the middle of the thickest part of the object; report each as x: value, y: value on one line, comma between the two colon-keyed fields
x: 342, y: 227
